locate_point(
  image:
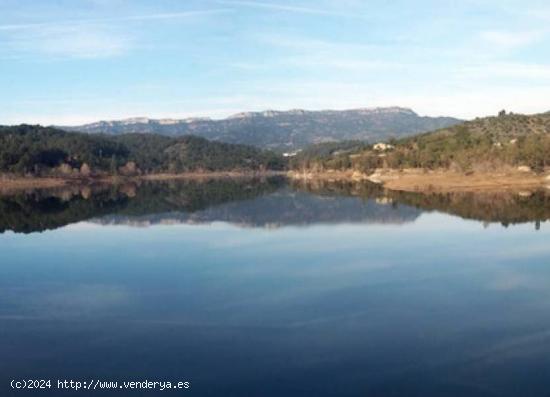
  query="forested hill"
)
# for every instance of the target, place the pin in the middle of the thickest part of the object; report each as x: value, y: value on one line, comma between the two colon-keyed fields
x: 285, y: 130
x: 29, y: 149
x: 489, y: 143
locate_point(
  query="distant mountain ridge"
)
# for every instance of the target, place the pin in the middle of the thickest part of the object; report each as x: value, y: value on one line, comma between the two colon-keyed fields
x: 284, y: 130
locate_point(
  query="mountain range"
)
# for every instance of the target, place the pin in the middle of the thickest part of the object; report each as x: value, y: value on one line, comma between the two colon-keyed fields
x: 284, y: 130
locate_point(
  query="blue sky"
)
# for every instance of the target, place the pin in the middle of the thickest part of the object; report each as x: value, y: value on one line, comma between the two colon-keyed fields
x: 73, y: 61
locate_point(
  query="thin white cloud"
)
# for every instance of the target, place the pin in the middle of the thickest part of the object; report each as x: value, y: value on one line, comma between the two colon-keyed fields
x: 316, y: 55
x: 511, y: 40
x: 307, y: 43
x: 542, y: 14
x: 346, y: 64
x: 81, y: 38
x: 70, y: 42
x: 172, y: 15
x: 319, y: 62
x: 289, y: 8
x: 506, y: 70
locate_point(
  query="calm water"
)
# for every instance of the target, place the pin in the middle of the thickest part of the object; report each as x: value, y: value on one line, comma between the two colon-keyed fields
x: 259, y: 288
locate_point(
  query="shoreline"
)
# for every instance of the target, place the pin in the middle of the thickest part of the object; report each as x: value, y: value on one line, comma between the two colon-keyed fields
x: 437, y: 181
x: 408, y: 180
x: 12, y: 184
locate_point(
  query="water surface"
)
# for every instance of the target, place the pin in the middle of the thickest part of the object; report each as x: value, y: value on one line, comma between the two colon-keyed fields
x: 265, y: 288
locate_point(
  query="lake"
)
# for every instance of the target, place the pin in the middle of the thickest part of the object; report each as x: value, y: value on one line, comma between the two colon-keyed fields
x: 272, y: 288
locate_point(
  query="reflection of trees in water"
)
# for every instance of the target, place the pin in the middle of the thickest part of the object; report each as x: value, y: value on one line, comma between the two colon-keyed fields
x: 190, y: 195
x: 247, y: 202
x: 365, y: 190
x: 41, y: 210
x: 255, y: 202
x: 52, y: 208
x: 288, y: 205
x: 504, y: 207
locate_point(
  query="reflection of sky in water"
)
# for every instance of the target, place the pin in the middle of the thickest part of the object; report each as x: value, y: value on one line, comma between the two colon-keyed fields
x: 434, y: 307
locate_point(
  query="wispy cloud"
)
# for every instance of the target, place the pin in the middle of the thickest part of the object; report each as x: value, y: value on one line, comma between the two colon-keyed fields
x: 319, y: 62
x: 82, y: 38
x: 538, y: 13
x: 318, y: 55
x: 307, y: 43
x: 289, y: 8
x: 171, y: 15
x: 70, y: 42
x: 507, y: 70
x: 511, y: 40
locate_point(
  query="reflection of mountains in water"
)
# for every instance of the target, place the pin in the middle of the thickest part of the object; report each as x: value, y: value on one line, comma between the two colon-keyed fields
x: 248, y: 202
x: 268, y: 202
x: 284, y: 207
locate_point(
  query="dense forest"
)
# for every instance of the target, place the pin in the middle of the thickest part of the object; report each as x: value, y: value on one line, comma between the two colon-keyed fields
x: 44, y: 151
x: 492, y: 143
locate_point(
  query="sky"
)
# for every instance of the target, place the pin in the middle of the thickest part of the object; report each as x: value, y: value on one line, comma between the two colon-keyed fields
x: 78, y: 61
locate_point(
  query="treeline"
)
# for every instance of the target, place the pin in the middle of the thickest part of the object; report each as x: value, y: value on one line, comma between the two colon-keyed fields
x: 480, y: 145
x: 44, y: 151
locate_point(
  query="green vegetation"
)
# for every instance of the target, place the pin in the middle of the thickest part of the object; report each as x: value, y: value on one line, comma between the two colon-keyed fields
x: 479, y: 145
x: 487, y: 144
x: 40, y: 151
x: 333, y: 155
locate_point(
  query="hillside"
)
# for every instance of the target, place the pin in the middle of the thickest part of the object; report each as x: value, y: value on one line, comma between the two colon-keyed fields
x: 483, y: 144
x: 284, y: 130
x: 41, y: 151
